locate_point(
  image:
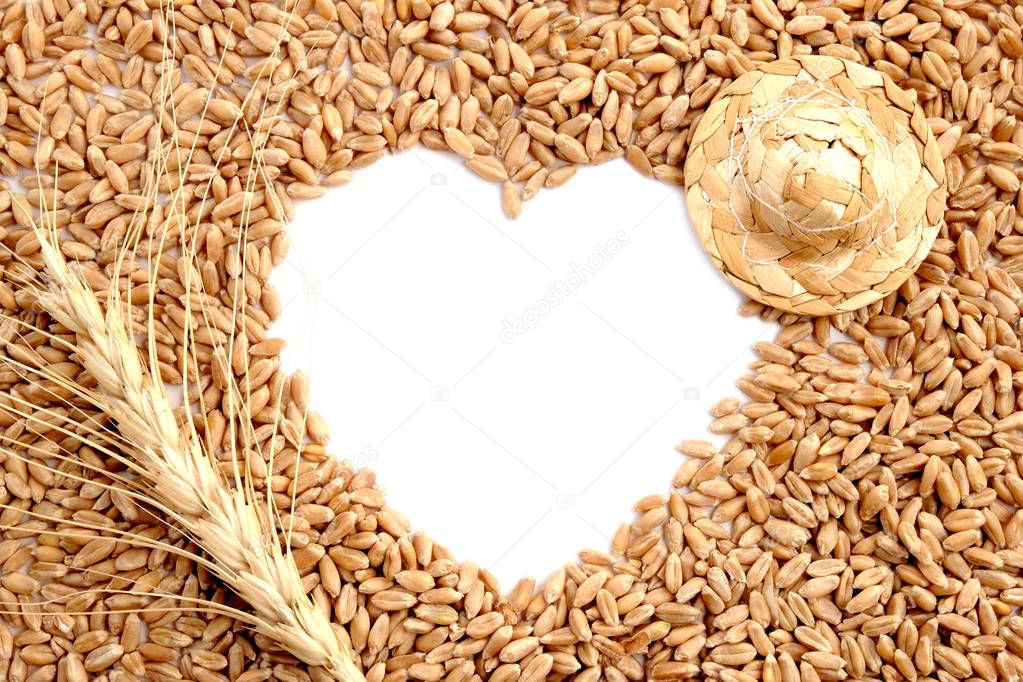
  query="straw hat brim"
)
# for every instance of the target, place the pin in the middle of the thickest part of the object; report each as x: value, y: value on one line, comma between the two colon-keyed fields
x: 822, y: 278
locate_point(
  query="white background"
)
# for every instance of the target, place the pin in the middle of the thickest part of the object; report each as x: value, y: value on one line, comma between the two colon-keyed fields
x: 513, y: 449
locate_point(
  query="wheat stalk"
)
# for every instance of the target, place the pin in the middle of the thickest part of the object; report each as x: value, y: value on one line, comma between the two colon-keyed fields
x: 181, y: 479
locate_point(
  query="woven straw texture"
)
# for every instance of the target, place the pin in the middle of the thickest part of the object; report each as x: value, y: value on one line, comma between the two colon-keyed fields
x: 815, y: 184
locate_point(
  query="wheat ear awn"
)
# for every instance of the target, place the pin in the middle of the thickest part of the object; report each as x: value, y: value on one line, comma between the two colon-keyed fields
x: 181, y: 478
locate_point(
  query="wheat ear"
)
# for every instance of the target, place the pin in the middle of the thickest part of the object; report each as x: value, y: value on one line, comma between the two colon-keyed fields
x: 181, y: 478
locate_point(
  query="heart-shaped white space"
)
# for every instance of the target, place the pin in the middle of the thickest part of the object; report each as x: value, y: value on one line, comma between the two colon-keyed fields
x: 517, y: 385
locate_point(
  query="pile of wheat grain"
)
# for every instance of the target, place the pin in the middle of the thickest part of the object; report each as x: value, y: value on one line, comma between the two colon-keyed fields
x: 862, y: 522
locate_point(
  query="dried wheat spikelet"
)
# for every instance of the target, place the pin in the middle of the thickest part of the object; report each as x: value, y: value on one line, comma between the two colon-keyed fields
x: 173, y: 473
x: 815, y: 184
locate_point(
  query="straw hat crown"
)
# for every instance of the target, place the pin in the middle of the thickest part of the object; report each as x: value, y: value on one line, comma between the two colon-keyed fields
x: 815, y: 184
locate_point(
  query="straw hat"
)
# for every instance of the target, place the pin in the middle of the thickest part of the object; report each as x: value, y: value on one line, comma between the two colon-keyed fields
x: 815, y: 184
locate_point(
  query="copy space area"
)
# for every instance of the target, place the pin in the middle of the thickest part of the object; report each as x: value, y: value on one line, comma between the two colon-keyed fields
x: 515, y: 384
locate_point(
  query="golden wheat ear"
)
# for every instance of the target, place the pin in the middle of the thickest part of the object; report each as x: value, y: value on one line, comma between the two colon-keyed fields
x: 170, y: 470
